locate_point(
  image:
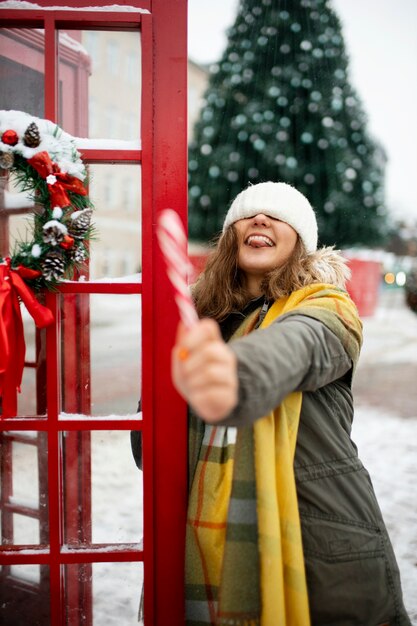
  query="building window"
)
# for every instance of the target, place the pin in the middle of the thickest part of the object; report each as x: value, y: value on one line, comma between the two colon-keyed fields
x: 113, y: 54
x: 132, y: 69
x: 110, y: 122
x: 109, y: 193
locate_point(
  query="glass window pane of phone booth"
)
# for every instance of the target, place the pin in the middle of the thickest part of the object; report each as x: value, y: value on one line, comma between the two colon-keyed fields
x: 112, y: 510
x: 102, y: 375
x: 115, y: 190
x: 24, y: 485
x: 116, y: 593
x: 22, y: 70
x: 24, y: 595
x: 104, y: 69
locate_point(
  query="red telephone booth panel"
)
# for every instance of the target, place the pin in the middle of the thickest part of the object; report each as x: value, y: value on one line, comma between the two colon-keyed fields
x: 83, y: 529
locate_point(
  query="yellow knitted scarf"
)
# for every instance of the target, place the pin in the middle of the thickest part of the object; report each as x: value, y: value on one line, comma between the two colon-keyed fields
x: 244, y: 561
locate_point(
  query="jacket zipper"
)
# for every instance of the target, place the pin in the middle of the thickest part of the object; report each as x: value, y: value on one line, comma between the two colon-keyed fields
x: 262, y: 313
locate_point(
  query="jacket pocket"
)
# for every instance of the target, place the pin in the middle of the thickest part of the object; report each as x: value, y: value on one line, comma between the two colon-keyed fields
x: 347, y: 574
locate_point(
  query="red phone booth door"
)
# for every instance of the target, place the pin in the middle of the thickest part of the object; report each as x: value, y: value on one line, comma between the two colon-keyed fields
x: 82, y: 527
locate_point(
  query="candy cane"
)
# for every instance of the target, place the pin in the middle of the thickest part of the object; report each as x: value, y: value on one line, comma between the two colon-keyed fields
x: 173, y: 243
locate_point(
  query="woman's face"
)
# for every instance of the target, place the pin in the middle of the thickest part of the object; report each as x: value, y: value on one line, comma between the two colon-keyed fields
x: 264, y: 244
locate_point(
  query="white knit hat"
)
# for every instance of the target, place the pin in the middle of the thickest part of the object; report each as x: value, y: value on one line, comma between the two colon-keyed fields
x: 277, y: 200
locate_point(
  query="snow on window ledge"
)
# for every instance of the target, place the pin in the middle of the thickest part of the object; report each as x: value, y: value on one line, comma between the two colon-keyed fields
x: 69, y: 42
x: 84, y: 143
x: 122, y: 547
x: 30, y: 6
x: 109, y: 418
x: 131, y: 278
x: 24, y: 550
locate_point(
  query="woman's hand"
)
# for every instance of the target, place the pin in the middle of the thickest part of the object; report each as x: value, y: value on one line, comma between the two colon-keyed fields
x: 204, y: 371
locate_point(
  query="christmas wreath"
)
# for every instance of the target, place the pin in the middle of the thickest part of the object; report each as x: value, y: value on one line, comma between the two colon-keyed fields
x: 45, y: 164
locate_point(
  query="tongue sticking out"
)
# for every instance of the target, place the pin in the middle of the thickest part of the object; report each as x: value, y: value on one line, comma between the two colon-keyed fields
x: 257, y: 243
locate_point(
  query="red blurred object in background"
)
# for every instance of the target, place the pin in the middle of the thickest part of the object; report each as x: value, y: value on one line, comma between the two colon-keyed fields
x: 198, y: 262
x: 365, y: 284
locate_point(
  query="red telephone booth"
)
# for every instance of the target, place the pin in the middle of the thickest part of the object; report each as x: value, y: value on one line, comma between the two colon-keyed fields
x: 61, y: 554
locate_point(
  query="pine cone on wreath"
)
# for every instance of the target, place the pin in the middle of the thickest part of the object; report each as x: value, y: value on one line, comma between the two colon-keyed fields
x: 53, y: 232
x: 78, y: 254
x: 80, y: 223
x: 32, y: 137
x: 6, y: 160
x: 53, y: 265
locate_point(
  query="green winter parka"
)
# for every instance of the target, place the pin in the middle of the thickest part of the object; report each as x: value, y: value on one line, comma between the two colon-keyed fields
x: 352, y: 574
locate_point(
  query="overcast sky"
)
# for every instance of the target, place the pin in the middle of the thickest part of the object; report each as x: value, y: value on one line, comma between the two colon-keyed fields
x: 381, y: 40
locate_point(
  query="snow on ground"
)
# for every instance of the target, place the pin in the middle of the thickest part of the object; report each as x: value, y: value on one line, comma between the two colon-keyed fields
x: 388, y: 448
x: 390, y: 336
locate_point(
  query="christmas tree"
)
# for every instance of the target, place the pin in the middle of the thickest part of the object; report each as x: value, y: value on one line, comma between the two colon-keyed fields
x: 279, y: 106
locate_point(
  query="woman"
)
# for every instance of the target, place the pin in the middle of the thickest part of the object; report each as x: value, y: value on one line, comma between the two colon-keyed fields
x: 283, y: 525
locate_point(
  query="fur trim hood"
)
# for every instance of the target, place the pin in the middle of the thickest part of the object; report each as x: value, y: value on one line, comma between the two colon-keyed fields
x: 327, y: 265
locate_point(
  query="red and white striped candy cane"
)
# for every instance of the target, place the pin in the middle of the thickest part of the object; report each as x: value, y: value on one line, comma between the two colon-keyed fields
x: 173, y: 243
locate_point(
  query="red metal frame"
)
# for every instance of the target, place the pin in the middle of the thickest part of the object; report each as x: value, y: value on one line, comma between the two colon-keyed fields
x: 170, y: 190
x: 164, y: 183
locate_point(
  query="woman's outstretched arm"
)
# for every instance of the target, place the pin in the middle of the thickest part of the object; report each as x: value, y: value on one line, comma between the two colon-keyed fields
x: 234, y: 384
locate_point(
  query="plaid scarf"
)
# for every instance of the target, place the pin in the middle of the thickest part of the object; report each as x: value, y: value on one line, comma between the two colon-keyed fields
x: 244, y: 559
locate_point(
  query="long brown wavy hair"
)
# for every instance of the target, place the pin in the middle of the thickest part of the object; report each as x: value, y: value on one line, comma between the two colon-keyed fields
x: 220, y: 288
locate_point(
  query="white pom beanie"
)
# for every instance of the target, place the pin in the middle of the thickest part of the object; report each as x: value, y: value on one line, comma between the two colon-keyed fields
x: 277, y: 200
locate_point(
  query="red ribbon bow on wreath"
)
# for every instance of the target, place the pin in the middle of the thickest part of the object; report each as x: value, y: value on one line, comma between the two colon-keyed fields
x: 12, y: 342
x: 43, y: 164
